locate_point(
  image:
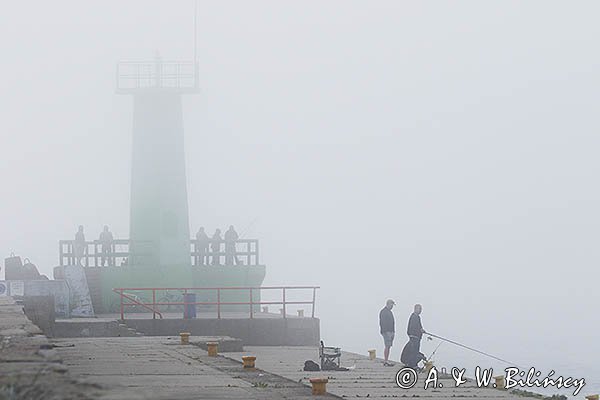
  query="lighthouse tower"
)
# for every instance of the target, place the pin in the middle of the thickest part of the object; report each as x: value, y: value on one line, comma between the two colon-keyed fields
x: 159, y: 221
x: 160, y: 252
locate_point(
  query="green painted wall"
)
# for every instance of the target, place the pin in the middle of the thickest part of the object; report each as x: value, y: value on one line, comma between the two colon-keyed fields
x: 144, y: 276
x: 159, y: 223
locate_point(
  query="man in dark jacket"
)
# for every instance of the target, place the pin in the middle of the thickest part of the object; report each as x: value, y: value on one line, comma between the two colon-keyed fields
x: 202, y: 242
x: 231, y: 237
x: 387, y: 328
x: 107, y: 247
x: 411, y: 354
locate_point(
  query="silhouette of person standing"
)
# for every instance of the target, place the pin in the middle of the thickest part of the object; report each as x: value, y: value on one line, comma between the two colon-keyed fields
x: 79, y: 245
x: 411, y: 354
x: 106, y: 247
x: 202, y: 241
x: 215, y: 247
x: 231, y: 237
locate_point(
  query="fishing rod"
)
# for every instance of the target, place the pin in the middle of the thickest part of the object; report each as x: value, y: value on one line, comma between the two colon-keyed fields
x: 247, y: 229
x: 472, y: 349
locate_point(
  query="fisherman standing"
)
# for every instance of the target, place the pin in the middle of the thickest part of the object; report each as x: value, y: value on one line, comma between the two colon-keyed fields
x: 231, y: 237
x: 202, y: 241
x: 411, y: 354
x: 387, y: 329
x: 79, y: 246
x: 106, y: 247
x: 215, y: 248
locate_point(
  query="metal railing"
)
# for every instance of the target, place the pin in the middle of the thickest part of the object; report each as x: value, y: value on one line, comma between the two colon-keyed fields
x: 133, y: 297
x: 245, y: 252
x: 95, y: 253
x: 135, y: 76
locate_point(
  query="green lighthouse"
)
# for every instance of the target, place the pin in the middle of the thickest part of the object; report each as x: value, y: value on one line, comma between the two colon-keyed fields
x: 159, y: 223
x: 159, y: 252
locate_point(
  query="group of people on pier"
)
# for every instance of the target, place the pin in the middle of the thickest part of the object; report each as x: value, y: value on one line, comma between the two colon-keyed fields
x: 208, y: 249
x: 411, y: 353
x: 107, y: 246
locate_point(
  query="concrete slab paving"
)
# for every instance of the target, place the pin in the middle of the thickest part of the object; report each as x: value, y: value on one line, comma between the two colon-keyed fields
x: 118, y: 368
x: 366, y: 379
x: 31, y: 369
x: 158, y: 368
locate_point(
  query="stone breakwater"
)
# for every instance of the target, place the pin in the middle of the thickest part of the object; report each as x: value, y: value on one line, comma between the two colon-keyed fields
x: 30, y: 367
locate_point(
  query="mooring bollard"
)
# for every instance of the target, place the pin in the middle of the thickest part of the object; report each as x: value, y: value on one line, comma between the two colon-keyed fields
x: 301, y: 313
x: 248, y: 361
x: 213, y: 348
x: 372, y: 354
x: 428, y: 366
x: 500, y: 383
x: 185, y: 337
x: 593, y: 397
x: 319, y: 386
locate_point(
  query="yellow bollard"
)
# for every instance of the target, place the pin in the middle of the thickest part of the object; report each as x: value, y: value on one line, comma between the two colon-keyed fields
x: 248, y: 361
x: 372, y: 354
x: 301, y: 313
x: 500, y: 383
x: 212, y: 348
x: 185, y: 337
x: 428, y: 366
x: 319, y: 386
x: 593, y: 397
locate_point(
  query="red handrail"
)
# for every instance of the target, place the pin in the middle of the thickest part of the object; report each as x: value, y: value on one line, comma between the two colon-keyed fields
x: 134, y: 301
x: 153, y: 307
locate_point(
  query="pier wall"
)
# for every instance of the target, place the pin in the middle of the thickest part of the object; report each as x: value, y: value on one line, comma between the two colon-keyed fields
x: 252, y: 332
x: 101, y: 281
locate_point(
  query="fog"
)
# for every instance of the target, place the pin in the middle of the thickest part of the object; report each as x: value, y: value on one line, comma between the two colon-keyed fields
x: 435, y: 152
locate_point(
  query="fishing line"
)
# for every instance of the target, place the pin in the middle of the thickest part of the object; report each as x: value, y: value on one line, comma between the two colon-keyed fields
x: 472, y: 349
x: 436, y: 349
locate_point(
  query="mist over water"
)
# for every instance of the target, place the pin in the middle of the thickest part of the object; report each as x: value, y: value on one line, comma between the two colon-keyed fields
x: 439, y: 153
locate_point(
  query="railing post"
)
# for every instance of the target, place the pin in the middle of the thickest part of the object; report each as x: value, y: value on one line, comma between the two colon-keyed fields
x: 256, y: 257
x: 284, y: 316
x: 96, y: 264
x: 313, y: 301
x: 185, y: 304
x: 122, y: 315
x: 251, y: 305
x: 154, y: 303
x: 218, y: 303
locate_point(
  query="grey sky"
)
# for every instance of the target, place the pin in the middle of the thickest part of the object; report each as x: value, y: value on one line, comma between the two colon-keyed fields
x: 440, y: 152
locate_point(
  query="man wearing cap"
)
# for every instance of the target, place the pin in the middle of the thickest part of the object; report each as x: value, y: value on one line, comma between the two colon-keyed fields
x: 387, y: 329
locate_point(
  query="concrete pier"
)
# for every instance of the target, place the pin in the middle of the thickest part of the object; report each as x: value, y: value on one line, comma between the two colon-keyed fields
x: 162, y: 368
x: 31, y: 368
x: 158, y: 367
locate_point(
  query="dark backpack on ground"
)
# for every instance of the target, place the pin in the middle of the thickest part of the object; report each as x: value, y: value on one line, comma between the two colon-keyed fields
x: 311, y: 366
